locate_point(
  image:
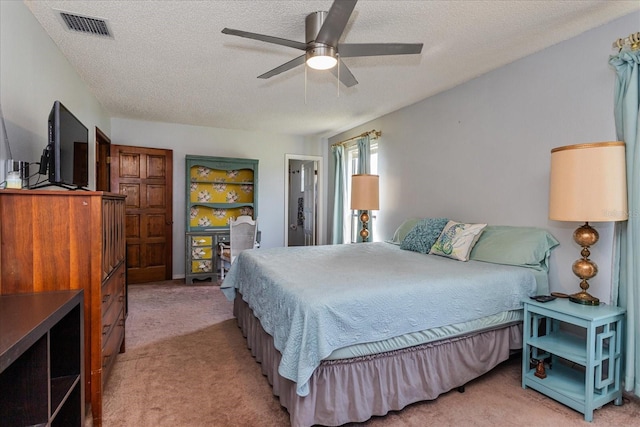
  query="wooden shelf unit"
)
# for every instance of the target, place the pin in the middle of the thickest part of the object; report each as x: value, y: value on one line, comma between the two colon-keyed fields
x: 41, y: 359
x: 64, y: 240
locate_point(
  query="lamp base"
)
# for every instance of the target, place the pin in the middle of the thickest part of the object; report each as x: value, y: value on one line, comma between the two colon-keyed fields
x: 584, y: 298
x: 584, y: 268
x: 364, y: 233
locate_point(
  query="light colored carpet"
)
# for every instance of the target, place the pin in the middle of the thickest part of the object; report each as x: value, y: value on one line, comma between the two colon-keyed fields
x: 187, y: 364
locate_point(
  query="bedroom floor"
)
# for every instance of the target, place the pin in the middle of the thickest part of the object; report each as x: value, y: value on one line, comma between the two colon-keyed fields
x: 187, y: 364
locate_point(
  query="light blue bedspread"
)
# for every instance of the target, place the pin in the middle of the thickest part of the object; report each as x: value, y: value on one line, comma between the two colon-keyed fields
x: 313, y: 300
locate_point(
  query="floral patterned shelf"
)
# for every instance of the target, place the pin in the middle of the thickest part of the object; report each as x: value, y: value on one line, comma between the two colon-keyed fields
x: 221, y: 192
x: 205, y: 174
x: 205, y: 216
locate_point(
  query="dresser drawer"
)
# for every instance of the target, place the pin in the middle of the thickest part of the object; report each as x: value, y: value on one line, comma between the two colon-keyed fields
x: 222, y: 238
x: 112, y: 341
x: 201, y: 253
x: 111, y: 316
x: 112, y: 287
x: 200, y: 241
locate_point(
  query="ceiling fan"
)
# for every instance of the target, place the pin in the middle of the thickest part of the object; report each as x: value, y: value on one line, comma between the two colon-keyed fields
x: 322, y: 49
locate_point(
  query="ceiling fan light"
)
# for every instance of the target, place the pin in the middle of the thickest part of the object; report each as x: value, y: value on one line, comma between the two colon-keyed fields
x: 322, y: 62
x: 322, y: 58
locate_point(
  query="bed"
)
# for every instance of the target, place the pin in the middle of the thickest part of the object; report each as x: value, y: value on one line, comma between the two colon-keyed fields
x: 346, y: 332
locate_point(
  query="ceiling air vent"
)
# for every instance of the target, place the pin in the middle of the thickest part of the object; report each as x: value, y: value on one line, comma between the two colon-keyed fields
x: 85, y: 24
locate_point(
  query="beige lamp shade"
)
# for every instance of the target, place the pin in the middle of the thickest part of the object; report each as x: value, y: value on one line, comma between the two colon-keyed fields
x: 364, y: 192
x: 588, y: 183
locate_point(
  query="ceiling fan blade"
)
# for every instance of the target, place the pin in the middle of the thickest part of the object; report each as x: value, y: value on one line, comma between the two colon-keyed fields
x: 269, y: 39
x: 284, y: 67
x: 349, y: 50
x: 346, y: 77
x: 335, y: 22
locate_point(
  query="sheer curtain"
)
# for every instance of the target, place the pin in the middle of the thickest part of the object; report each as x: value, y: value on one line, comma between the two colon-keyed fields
x: 626, y: 284
x: 364, y: 167
x: 337, y: 236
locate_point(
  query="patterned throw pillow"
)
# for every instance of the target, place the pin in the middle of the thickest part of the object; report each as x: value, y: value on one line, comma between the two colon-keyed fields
x: 423, y: 235
x: 457, y: 240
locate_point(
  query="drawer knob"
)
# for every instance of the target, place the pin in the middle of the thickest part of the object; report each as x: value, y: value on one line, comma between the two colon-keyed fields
x: 105, y: 328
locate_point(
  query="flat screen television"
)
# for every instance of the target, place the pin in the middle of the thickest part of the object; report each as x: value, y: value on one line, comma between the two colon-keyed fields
x: 67, y: 151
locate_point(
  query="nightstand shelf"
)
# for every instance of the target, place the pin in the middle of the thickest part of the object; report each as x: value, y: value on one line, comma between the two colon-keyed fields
x: 561, y: 380
x: 570, y: 346
x: 582, y: 346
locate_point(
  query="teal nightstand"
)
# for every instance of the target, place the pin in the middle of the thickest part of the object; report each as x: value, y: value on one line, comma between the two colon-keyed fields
x: 583, y: 361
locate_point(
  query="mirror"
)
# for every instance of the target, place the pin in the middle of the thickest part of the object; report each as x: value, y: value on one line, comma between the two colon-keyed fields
x: 302, y: 200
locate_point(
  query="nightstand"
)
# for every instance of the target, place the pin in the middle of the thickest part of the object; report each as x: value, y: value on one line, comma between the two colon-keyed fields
x: 581, y: 347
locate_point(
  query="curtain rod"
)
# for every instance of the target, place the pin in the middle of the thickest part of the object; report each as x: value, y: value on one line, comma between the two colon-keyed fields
x: 632, y: 40
x: 374, y: 134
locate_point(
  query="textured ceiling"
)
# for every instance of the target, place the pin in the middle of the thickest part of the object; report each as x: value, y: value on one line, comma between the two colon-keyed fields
x: 168, y: 60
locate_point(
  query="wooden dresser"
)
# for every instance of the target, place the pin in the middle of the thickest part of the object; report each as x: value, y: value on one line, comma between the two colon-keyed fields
x: 60, y: 240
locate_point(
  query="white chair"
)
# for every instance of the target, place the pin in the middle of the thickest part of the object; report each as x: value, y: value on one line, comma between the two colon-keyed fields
x: 242, y: 235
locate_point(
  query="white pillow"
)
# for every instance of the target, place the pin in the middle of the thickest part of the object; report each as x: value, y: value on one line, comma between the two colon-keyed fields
x: 457, y: 239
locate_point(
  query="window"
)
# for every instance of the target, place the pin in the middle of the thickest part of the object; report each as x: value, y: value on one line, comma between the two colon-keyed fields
x: 352, y: 232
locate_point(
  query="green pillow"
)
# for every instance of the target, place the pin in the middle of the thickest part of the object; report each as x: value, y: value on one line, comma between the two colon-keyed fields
x: 511, y: 245
x: 403, y: 230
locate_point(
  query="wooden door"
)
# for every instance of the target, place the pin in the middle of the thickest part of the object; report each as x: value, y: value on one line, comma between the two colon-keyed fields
x: 145, y: 176
x: 103, y: 150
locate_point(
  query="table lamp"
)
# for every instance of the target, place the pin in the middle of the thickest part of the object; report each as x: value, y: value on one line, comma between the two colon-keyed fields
x: 588, y: 182
x: 364, y: 197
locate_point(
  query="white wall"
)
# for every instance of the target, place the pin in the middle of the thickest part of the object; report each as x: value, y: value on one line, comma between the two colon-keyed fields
x: 33, y: 74
x: 480, y: 152
x: 269, y: 149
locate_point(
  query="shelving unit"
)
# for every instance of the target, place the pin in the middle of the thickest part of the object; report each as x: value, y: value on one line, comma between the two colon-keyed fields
x: 583, y: 361
x: 41, y: 359
x: 218, y: 189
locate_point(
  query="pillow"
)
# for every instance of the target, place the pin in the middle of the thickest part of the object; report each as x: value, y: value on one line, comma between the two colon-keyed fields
x: 423, y: 235
x: 403, y: 230
x: 521, y: 246
x: 457, y: 240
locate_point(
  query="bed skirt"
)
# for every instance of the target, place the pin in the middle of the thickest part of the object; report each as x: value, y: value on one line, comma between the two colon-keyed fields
x: 355, y: 389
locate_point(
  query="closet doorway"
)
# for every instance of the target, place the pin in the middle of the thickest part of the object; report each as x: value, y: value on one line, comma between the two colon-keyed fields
x: 302, y: 200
